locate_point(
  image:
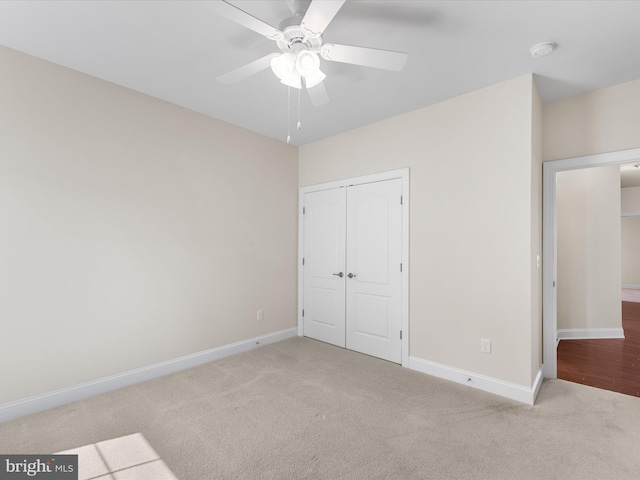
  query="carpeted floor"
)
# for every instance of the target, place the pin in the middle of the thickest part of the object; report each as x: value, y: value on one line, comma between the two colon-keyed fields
x: 301, y: 409
x: 129, y: 457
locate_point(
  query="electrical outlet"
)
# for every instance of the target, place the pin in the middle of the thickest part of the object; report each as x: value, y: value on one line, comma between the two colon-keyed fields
x: 260, y: 315
x: 485, y: 345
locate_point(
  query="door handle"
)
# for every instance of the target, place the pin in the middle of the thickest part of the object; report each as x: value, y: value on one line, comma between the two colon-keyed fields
x: 340, y: 274
x: 352, y: 275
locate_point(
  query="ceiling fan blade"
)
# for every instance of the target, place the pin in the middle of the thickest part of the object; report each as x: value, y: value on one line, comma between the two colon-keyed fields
x: 249, y: 69
x: 319, y: 15
x: 243, y: 18
x: 318, y: 95
x: 367, y: 57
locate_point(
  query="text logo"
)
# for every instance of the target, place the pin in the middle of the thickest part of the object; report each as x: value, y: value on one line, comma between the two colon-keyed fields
x: 44, y: 467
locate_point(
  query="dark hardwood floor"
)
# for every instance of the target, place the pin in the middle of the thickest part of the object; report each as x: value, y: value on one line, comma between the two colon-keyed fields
x: 612, y: 364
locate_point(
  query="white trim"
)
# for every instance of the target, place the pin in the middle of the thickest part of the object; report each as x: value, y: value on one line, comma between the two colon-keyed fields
x: 374, y: 177
x: 627, y: 214
x: 537, y: 384
x: 549, y: 241
x: 403, y: 174
x: 301, y: 193
x: 632, y: 286
x: 45, y: 401
x: 488, y: 384
x: 589, y: 333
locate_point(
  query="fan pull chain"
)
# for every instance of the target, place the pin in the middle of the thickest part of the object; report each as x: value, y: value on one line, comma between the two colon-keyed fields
x: 288, y: 114
x: 299, y: 124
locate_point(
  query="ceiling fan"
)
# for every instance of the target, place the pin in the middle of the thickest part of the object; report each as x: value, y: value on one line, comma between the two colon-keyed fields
x: 301, y: 45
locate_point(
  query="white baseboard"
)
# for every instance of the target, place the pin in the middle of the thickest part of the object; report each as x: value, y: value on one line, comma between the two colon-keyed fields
x: 589, y: 333
x: 537, y: 383
x: 632, y: 286
x: 45, y: 401
x: 488, y: 384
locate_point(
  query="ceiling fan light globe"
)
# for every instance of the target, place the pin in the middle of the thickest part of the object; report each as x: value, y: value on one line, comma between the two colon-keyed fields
x: 313, y: 80
x: 283, y: 65
x: 307, y: 63
x: 294, y: 80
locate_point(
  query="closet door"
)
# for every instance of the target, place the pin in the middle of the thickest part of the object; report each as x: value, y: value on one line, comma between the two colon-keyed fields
x: 324, y: 266
x: 374, y: 256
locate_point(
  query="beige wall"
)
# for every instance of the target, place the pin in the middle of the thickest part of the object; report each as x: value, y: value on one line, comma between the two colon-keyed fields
x: 606, y: 120
x: 631, y: 237
x: 630, y: 199
x: 589, y: 248
x: 631, y: 251
x: 133, y: 231
x: 471, y: 221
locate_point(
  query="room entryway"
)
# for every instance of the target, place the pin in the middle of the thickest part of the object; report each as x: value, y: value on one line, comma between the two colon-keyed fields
x: 620, y: 353
x: 352, y: 265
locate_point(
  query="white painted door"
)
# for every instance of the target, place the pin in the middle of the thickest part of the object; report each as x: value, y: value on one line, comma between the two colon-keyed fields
x: 374, y: 277
x: 324, y: 266
x: 352, y: 293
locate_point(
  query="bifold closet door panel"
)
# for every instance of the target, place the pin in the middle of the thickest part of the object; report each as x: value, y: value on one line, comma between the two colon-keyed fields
x: 324, y: 267
x: 373, y: 259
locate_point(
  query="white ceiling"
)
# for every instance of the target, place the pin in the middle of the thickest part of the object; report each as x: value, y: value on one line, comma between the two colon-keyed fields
x: 175, y: 50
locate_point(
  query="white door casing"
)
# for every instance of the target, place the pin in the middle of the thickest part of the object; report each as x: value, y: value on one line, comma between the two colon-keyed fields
x: 549, y: 242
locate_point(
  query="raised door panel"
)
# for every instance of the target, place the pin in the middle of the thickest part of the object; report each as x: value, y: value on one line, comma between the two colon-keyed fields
x: 324, y: 257
x: 373, y: 288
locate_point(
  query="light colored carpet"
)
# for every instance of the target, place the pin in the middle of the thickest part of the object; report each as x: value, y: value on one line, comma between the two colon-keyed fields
x: 302, y: 409
x: 129, y: 457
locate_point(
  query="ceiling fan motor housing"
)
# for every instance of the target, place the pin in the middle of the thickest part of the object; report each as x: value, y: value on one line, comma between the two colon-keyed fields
x: 295, y: 38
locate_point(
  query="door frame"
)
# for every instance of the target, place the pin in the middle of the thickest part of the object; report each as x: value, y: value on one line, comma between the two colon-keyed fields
x: 550, y: 238
x: 402, y: 174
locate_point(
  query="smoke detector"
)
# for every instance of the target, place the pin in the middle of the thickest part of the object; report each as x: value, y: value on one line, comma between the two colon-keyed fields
x: 542, y: 49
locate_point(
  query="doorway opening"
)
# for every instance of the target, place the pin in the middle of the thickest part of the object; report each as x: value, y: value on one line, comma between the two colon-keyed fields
x: 550, y: 303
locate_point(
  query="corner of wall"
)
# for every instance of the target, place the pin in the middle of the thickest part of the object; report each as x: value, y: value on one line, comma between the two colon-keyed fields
x: 536, y: 231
